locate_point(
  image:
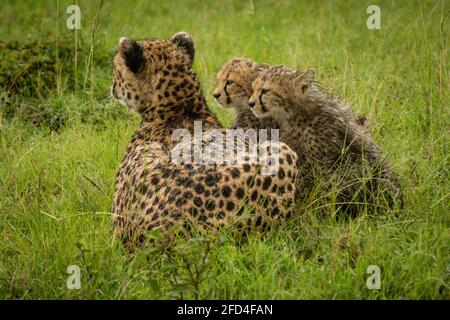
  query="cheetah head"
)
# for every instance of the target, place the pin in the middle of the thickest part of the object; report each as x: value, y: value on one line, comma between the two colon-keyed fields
x: 277, y: 90
x: 144, y: 68
x: 234, y: 82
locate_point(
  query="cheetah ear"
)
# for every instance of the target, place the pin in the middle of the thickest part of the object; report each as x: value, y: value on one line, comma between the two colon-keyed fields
x: 305, y: 79
x: 184, y: 40
x: 309, y: 75
x: 132, y: 53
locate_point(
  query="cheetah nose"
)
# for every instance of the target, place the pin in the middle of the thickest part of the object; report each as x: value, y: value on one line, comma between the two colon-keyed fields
x: 251, y: 104
x: 216, y: 95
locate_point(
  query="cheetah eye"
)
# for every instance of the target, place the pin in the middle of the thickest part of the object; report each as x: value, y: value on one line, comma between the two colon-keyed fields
x: 229, y: 82
x: 264, y: 91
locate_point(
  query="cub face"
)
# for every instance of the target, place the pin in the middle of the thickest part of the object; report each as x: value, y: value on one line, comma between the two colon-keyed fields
x: 277, y: 90
x: 140, y: 66
x: 234, y: 82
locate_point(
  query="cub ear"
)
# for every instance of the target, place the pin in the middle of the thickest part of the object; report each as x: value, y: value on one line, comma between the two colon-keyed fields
x: 309, y: 75
x: 132, y: 53
x: 184, y: 41
x: 305, y: 79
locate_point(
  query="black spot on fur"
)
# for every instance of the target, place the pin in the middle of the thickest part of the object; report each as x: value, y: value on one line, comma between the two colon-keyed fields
x: 281, y: 173
x: 180, y: 202
x: 266, y: 183
x: 198, y: 202
x: 199, y: 188
x: 210, y: 181
x: 210, y: 204
x: 187, y: 195
x: 289, y: 159
x: 240, y: 193
x: 230, y: 206
x: 275, y: 212
x: 155, y: 180
x: 226, y: 191
x: 250, y: 182
x: 235, y: 173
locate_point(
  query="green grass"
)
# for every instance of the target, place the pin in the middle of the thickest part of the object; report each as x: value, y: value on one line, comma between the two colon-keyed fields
x: 56, y: 186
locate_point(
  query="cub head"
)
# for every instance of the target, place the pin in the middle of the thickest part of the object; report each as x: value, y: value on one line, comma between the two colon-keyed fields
x: 142, y: 69
x: 234, y: 82
x: 277, y: 90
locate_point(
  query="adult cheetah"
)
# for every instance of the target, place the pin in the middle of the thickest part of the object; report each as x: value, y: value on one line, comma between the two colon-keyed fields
x: 155, y: 78
x: 325, y: 136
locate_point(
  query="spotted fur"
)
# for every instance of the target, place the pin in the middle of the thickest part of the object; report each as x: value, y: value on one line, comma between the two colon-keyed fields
x: 327, y: 138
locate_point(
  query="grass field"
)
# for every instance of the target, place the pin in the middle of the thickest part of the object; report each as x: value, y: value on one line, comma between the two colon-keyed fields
x: 61, y: 141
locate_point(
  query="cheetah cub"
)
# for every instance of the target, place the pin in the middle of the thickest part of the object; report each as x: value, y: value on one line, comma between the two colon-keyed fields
x: 234, y: 88
x: 325, y: 136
